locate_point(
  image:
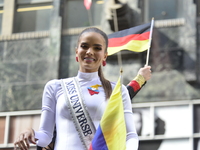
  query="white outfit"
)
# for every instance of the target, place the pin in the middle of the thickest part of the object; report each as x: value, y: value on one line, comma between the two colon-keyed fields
x: 55, y: 111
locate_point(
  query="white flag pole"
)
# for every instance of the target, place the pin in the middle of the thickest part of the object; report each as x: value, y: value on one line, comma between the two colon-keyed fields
x: 150, y: 38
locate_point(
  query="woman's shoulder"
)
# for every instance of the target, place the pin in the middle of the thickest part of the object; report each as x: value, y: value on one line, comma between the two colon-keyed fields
x: 113, y: 84
x: 56, y: 82
x: 53, y: 82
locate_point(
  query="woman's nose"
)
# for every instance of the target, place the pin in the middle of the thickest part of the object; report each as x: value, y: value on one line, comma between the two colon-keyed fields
x: 89, y: 51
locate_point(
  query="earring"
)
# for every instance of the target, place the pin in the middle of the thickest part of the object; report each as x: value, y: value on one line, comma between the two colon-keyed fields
x: 76, y: 59
x: 104, y: 63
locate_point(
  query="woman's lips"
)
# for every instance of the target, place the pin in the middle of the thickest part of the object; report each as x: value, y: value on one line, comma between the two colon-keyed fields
x: 89, y: 59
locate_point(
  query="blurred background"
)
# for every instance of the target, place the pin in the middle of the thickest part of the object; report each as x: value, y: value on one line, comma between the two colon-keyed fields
x: 37, y: 44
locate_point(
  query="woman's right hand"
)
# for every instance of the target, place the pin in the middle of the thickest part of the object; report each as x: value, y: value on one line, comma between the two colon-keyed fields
x: 24, y: 139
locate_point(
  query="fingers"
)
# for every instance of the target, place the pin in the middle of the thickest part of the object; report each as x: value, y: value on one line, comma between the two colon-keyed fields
x: 20, y: 142
x: 148, y: 73
x: 145, y: 72
x: 24, y: 139
x: 15, y: 146
x: 147, y: 69
x: 32, y: 137
x: 147, y: 66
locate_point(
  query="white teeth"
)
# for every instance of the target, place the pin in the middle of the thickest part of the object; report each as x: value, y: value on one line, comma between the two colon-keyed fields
x: 89, y: 58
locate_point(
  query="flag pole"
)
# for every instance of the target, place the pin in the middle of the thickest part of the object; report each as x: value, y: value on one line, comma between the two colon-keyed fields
x: 119, y: 56
x: 90, y: 17
x: 87, y: 4
x: 150, y: 38
x: 117, y: 29
x: 121, y: 78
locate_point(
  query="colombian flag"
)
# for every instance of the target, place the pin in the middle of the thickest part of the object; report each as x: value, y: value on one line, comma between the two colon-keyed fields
x: 111, y: 133
x: 134, y: 39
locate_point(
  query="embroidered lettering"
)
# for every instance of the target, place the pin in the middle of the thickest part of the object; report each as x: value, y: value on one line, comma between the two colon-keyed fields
x: 87, y: 132
x: 83, y: 123
x: 81, y: 117
x: 76, y: 104
x: 75, y: 99
x: 71, y: 87
x: 78, y: 110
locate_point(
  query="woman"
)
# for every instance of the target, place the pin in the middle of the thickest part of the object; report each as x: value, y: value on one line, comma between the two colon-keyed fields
x: 91, y: 54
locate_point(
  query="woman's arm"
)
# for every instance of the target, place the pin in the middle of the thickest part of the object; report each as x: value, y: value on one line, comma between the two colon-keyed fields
x: 44, y: 136
x: 47, y: 121
x: 144, y: 74
x: 132, y: 137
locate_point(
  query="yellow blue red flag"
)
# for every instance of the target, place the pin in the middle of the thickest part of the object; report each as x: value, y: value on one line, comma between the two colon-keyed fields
x: 111, y: 133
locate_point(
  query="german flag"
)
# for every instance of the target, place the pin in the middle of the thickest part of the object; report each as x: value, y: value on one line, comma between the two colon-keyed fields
x: 134, y: 39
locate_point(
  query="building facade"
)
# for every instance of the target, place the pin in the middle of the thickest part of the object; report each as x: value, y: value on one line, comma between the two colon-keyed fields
x: 37, y: 44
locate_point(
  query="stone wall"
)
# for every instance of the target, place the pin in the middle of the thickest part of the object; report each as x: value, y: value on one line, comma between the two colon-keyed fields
x: 27, y: 62
x: 25, y: 67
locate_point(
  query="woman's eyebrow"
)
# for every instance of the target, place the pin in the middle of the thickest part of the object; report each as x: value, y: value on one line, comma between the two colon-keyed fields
x: 97, y: 45
x: 93, y: 44
x: 84, y: 43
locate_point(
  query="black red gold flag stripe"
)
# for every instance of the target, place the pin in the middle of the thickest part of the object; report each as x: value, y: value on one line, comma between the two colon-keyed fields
x: 134, y: 39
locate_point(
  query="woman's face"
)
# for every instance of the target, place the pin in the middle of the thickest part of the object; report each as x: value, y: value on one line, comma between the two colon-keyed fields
x: 91, y: 51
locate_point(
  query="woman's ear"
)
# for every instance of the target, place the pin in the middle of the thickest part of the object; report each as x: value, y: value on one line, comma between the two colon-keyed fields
x: 76, y: 55
x: 105, y: 56
x: 76, y: 49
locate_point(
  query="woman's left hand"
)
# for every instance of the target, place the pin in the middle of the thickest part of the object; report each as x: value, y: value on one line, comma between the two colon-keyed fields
x: 145, y: 72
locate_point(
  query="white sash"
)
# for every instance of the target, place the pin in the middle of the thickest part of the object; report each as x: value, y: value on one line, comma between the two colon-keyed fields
x: 78, y: 111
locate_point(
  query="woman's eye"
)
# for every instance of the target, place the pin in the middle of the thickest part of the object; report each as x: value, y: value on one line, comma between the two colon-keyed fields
x: 84, y: 46
x: 98, y: 48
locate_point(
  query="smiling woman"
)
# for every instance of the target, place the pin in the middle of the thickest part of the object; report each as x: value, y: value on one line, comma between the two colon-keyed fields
x: 91, y: 51
x: 77, y: 104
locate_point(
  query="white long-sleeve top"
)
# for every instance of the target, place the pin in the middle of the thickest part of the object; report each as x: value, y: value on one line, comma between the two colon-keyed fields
x: 55, y: 111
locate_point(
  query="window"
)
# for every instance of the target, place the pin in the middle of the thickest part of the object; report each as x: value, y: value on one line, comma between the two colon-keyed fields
x: 32, y: 15
x: 19, y: 123
x: 166, y: 121
x: 162, y: 9
x: 196, y: 118
x: 76, y: 14
x: 196, y: 144
x: 142, y: 121
x: 180, y: 144
x: 13, y: 123
x: 2, y: 129
x: 168, y: 125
